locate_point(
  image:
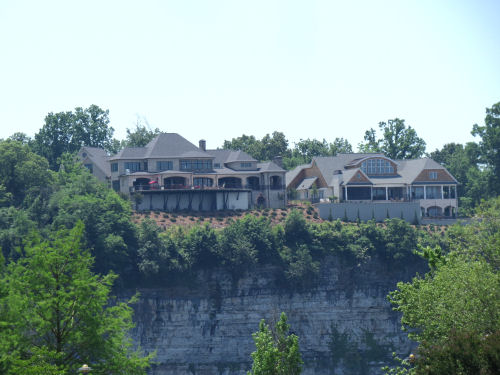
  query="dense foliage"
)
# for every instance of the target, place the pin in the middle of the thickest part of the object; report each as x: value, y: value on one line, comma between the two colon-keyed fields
x: 454, y: 310
x: 55, y: 312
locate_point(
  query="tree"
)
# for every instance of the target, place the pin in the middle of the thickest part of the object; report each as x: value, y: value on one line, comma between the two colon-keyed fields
x: 141, y: 135
x: 277, y: 352
x: 56, y: 314
x: 397, y: 142
x: 490, y: 143
x: 22, y: 173
x: 265, y: 149
x: 69, y: 131
x: 457, y: 303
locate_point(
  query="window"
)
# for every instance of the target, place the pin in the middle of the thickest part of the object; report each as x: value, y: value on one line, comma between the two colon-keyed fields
x: 145, y: 165
x: 90, y: 167
x: 378, y: 194
x: 114, y: 167
x: 377, y: 167
x: 133, y: 166
x: 196, y: 165
x: 164, y: 165
x: 433, y: 192
x: 433, y: 175
x: 246, y: 165
x: 116, y: 185
x: 417, y: 192
x: 275, y: 182
x: 203, y: 182
x: 217, y: 165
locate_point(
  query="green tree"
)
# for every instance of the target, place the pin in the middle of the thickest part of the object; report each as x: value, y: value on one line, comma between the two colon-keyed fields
x: 490, y: 143
x: 277, y: 352
x: 56, y: 314
x: 69, y: 131
x: 23, y: 174
x: 397, y: 142
x: 109, y: 232
x: 246, y: 143
x: 267, y: 148
x: 141, y: 135
x: 457, y: 303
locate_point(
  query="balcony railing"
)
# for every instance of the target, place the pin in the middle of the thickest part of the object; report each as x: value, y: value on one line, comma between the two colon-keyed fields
x: 156, y: 187
x: 149, y: 187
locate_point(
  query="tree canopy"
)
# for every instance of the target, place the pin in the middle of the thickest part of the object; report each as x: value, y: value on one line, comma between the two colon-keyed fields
x: 457, y: 303
x: 56, y: 314
x: 69, y: 131
x: 397, y: 141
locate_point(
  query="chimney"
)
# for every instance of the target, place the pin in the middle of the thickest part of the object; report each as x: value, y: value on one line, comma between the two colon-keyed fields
x: 278, y: 160
x: 203, y: 145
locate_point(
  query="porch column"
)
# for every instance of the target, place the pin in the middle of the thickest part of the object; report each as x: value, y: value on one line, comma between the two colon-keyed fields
x: 442, y: 195
x: 346, y: 194
x: 425, y: 192
x: 386, y: 194
x: 371, y: 192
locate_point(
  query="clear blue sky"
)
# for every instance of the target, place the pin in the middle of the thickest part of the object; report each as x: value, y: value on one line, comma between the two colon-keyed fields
x: 220, y: 69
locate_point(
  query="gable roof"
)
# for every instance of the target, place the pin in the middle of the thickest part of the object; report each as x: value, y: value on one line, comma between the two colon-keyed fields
x: 98, y: 156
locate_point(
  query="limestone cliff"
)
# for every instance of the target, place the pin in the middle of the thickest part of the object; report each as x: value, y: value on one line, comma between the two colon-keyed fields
x: 344, y: 323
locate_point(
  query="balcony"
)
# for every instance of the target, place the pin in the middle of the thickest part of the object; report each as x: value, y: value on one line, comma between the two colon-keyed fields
x: 158, y: 187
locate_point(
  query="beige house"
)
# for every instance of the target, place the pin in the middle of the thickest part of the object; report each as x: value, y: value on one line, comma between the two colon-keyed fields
x: 375, y: 178
x: 171, y: 173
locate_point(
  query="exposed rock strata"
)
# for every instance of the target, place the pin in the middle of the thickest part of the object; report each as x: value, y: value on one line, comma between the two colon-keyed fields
x: 207, y: 329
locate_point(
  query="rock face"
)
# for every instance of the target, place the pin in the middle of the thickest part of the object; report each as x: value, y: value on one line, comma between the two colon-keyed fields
x: 344, y: 323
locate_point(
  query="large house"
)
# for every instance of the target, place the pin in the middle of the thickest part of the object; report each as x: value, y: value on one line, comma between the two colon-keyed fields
x: 375, y: 178
x: 171, y: 173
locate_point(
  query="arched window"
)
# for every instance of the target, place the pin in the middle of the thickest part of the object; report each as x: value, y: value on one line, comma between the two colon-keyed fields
x: 377, y: 167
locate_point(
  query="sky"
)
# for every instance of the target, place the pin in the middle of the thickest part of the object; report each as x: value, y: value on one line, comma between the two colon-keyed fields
x: 216, y: 69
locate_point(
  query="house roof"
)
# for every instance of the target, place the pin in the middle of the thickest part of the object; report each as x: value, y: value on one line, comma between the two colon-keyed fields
x: 306, y: 183
x: 269, y: 166
x: 290, y: 175
x: 407, y: 170
x: 98, y: 156
x: 164, y: 145
x: 228, y: 156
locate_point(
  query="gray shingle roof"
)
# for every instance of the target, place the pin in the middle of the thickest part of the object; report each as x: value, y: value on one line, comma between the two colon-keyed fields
x: 164, y: 145
x: 99, y: 157
x: 269, y: 166
x: 407, y: 170
x: 168, y: 145
x: 290, y: 175
x: 228, y: 156
x: 306, y: 183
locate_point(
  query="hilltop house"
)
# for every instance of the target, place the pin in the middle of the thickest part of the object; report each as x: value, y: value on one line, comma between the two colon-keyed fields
x: 170, y: 173
x: 374, y: 178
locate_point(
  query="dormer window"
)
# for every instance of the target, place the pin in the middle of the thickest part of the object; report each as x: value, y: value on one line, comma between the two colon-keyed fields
x: 377, y: 167
x: 433, y: 175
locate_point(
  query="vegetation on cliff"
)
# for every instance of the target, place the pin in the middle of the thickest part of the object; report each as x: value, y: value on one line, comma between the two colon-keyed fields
x: 56, y: 314
x: 453, y: 312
